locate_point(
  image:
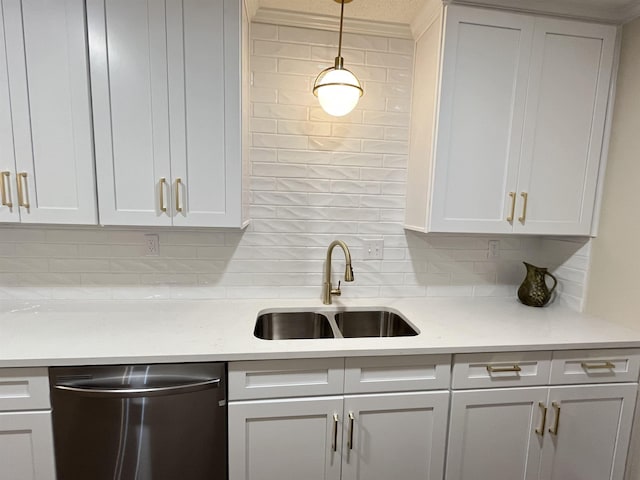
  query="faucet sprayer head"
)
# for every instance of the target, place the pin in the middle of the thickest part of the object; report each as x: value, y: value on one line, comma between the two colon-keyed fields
x: 348, y: 273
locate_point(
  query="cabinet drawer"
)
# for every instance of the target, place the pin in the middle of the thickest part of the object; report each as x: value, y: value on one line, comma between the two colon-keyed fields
x: 491, y: 370
x: 595, y: 366
x: 397, y: 374
x: 24, y: 389
x: 285, y: 378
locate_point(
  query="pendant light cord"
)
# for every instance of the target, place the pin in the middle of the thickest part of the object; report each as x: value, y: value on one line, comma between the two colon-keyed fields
x: 340, y: 37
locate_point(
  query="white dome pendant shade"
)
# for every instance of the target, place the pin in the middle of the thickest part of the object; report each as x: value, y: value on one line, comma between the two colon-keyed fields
x: 338, y: 90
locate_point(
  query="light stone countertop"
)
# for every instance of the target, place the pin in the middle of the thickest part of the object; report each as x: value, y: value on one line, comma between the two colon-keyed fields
x: 48, y: 333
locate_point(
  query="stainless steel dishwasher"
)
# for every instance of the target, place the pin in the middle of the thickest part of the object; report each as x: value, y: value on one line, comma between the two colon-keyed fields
x: 140, y: 422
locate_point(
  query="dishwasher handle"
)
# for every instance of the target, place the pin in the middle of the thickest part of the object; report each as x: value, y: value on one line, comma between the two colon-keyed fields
x: 89, y: 391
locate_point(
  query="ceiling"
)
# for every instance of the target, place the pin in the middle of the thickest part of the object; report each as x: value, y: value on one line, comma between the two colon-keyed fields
x: 394, y: 11
x: 405, y: 11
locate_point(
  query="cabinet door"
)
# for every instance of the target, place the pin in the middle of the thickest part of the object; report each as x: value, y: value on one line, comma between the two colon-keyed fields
x: 128, y: 55
x: 26, y: 446
x: 46, y: 49
x: 204, y: 84
x: 593, y: 428
x: 278, y: 439
x: 493, y: 434
x: 571, y: 68
x: 481, y: 113
x: 9, y: 211
x: 397, y: 435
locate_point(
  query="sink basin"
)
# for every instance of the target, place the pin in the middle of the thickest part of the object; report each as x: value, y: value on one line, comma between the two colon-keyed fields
x: 373, y: 323
x: 292, y: 325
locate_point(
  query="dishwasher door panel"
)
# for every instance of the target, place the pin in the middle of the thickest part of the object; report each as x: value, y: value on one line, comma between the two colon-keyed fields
x: 143, y: 422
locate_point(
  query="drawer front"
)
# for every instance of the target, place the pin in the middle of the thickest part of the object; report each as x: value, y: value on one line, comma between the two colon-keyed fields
x: 285, y: 378
x: 24, y: 389
x: 397, y: 374
x: 595, y: 366
x: 492, y: 370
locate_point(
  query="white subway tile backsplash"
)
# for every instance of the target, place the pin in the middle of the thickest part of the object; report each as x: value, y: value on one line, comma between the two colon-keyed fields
x: 303, y: 185
x: 333, y: 173
x: 264, y: 125
x: 401, y: 76
x: 365, y: 42
x: 316, y: 114
x: 300, y: 67
x: 393, y: 60
x: 401, y: 45
x: 279, y: 170
x: 314, y: 178
x: 382, y: 146
x: 328, y: 55
x: 340, y: 186
x: 356, y: 159
x: 264, y: 95
x: 356, y: 131
x: 263, y: 154
x: 332, y: 144
x: 279, y: 141
x: 287, y: 127
x: 280, y: 49
x: 264, y: 31
x: 274, y: 80
x: 304, y: 157
x: 265, y: 65
x: 307, y: 36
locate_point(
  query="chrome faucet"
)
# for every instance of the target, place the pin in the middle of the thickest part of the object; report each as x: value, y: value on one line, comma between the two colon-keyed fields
x: 327, y: 289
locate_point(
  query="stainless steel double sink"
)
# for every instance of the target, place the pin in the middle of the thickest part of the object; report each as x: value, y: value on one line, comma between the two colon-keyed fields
x: 289, y: 325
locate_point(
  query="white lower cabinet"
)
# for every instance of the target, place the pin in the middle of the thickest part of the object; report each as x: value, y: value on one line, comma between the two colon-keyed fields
x: 287, y: 438
x: 384, y: 434
x: 492, y: 434
x: 394, y: 435
x: 353, y: 437
x: 548, y: 432
x: 26, y: 446
x: 26, y: 435
x: 592, y: 432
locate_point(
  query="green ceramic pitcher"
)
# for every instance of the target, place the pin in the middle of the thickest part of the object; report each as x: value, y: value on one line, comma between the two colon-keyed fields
x: 534, y: 291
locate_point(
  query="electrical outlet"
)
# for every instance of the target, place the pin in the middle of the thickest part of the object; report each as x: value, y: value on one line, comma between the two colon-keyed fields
x: 373, y: 249
x: 494, y: 249
x: 151, y: 245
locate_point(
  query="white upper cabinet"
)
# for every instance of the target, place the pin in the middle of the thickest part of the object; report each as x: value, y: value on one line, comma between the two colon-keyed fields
x: 46, y: 145
x: 571, y: 66
x: 520, y: 105
x: 167, y: 98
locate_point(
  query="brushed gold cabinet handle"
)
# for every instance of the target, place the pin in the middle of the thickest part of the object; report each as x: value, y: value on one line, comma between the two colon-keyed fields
x: 351, y: 420
x: 4, y: 177
x: 512, y: 368
x: 178, y: 183
x: 513, y: 207
x: 598, y: 366
x: 334, y: 437
x: 556, y: 424
x: 543, y: 408
x: 163, y: 182
x: 22, y: 190
x: 525, y: 196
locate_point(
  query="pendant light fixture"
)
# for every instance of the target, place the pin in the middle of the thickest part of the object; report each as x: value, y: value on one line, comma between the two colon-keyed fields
x: 338, y: 90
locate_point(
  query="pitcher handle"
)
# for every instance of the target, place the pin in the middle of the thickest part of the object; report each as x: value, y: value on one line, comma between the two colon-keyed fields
x: 555, y: 282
